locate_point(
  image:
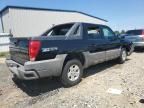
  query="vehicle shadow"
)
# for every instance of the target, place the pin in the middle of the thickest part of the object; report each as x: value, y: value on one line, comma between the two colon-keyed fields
x: 38, y: 87
x: 41, y: 86
x: 139, y: 50
x: 99, y: 68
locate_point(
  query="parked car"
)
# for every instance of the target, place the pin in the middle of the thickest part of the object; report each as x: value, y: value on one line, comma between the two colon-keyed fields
x: 65, y: 50
x: 136, y: 36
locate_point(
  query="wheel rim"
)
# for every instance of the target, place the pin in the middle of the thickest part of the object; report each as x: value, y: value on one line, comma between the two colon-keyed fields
x: 73, y: 72
x: 124, y: 55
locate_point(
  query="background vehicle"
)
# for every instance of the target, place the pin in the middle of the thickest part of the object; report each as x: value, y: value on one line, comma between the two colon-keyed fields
x: 65, y: 50
x: 136, y: 36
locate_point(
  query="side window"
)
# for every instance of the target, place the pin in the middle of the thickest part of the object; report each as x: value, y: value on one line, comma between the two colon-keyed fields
x: 94, y: 32
x: 108, y: 33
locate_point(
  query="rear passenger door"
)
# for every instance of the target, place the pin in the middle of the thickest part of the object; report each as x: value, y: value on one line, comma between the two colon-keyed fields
x: 96, y: 44
x: 113, y: 46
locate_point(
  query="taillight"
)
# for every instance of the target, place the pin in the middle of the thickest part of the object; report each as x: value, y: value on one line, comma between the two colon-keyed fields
x: 143, y: 34
x: 34, y: 47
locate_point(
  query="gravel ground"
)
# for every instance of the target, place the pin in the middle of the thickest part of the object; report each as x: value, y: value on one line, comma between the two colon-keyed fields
x: 125, y: 80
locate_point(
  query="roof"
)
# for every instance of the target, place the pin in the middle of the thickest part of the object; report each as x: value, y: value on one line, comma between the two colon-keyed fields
x: 79, y: 23
x: 45, y: 9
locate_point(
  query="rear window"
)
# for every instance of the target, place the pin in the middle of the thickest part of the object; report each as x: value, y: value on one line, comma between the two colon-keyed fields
x: 60, y: 30
x: 134, y: 32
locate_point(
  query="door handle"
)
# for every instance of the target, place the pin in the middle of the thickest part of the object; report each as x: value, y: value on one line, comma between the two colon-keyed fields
x: 93, y: 45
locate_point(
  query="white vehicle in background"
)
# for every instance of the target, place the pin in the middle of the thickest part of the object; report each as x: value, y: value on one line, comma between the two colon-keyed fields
x: 135, y: 36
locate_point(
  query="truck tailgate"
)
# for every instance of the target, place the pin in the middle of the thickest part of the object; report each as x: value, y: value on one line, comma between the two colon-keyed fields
x: 19, y: 50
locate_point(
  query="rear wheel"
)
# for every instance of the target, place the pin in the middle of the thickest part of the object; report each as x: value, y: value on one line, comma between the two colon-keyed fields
x: 72, y: 73
x: 123, y: 56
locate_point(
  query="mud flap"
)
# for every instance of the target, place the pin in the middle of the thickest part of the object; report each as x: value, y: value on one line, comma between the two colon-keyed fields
x: 131, y: 50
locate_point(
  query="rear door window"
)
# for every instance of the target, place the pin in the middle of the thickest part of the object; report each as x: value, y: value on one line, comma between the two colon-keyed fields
x: 94, y: 32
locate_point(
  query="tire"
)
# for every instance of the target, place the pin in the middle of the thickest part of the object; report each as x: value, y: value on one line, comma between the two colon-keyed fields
x: 123, y: 56
x: 72, y: 73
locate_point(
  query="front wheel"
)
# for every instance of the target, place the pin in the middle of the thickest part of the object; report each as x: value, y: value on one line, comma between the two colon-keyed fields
x: 123, y: 56
x: 72, y: 73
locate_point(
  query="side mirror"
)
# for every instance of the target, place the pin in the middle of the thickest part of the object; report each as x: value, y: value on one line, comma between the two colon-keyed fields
x: 117, y: 35
x: 113, y: 38
x: 120, y: 36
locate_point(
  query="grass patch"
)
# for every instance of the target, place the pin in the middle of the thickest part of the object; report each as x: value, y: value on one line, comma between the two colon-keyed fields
x: 4, y: 54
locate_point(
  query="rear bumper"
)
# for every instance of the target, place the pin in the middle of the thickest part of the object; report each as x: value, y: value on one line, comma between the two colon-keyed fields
x: 38, y: 69
x: 19, y: 71
x: 138, y: 44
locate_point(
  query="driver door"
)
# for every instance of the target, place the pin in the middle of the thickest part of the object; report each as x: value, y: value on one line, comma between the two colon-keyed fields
x: 113, y: 46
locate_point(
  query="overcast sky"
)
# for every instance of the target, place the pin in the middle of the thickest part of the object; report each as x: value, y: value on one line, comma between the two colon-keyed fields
x: 121, y: 14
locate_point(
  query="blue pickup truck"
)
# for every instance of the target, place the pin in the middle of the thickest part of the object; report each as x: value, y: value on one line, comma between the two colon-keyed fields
x: 65, y: 50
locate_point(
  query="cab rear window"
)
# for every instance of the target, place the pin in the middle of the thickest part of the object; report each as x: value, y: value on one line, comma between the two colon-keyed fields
x: 60, y: 30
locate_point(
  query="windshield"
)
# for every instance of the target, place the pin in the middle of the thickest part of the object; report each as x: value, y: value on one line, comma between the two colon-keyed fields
x: 60, y: 30
x: 134, y: 32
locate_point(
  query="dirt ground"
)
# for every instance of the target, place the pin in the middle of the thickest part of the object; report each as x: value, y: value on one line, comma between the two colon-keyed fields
x: 107, y: 85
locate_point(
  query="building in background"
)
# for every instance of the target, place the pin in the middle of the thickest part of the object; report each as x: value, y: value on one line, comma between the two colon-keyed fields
x: 26, y: 21
x: 0, y: 25
x: 4, y: 42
